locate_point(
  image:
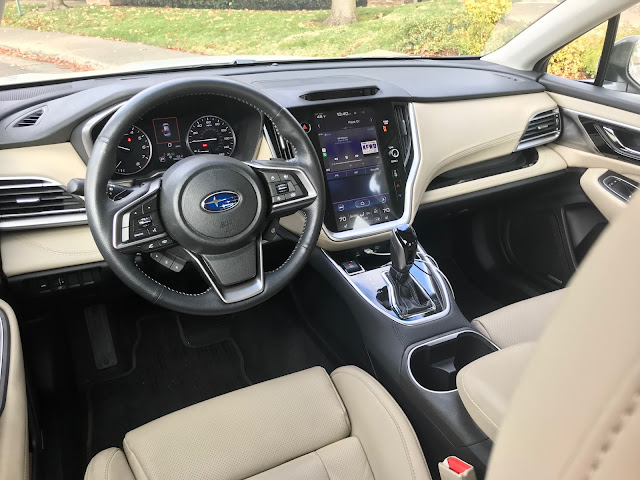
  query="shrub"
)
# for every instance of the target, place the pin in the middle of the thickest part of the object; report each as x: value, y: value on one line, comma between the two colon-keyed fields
x: 241, y: 4
x: 579, y: 59
x: 487, y: 11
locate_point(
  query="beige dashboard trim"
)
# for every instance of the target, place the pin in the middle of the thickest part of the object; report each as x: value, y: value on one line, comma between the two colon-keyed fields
x: 59, y: 162
x: 596, y: 109
x: 38, y: 250
x: 548, y: 162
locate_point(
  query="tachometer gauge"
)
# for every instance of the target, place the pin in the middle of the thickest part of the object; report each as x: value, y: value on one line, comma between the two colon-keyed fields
x: 134, y: 152
x: 211, y: 134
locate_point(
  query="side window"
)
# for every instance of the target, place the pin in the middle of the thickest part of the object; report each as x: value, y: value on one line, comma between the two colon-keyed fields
x: 608, y: 55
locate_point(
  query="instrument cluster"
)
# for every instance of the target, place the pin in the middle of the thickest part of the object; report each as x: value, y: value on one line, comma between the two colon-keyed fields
x: 179, y: 129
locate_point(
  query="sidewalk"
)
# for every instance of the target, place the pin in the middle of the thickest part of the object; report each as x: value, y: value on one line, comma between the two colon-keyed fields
x: 97, y: 53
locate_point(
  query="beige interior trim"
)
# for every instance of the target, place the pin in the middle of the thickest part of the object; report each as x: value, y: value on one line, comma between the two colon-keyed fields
x: 609, y: 204
x: 14, y: 449
x: 487, y: 385
x: 264, y: 152
x: 59, y: 162
x: 548, y: 162
x: 580, y: 159
x: 38, y: 250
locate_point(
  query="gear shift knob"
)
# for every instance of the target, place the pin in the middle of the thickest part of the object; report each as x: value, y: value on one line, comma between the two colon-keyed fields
x: 404, y: 247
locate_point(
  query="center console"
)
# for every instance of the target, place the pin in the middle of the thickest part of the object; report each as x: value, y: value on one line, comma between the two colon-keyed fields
x: 369, y: 160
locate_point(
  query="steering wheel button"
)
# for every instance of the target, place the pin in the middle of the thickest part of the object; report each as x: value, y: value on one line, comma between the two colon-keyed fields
x: 125, y: 234
x: 278, y: 198
x: 272, y: 177
x: 150, y: 205
x: 165, y: 242
x: 167, y: 261
x: 178, y: 264
x: 157, y: 256
x: 145, y: 221
x: 140, y: 234
x: 156, y: 229
x: 291, y: 196
x: 285, y: 176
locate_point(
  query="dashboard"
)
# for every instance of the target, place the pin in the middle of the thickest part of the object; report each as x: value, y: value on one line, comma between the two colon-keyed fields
x: 384, y: 131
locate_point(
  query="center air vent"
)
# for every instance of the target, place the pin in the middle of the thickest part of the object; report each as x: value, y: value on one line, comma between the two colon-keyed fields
x: 37, y: 202
x: 404, y: 132
x: 543, y: 128
x: 280, y: 147
x: 30, y: 119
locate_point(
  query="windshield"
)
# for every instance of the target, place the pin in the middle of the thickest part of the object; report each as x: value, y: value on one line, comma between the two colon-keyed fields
x: 63, y: 36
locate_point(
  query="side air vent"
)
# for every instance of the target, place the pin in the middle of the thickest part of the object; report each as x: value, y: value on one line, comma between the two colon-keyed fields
x: 30, y: 119
x: 543, y: 128
x: 279, y: 146
x: 404, y: 131
x: 36, y: 203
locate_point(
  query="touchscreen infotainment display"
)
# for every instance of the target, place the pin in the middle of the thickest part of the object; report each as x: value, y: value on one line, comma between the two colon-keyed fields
x: 353, y: 163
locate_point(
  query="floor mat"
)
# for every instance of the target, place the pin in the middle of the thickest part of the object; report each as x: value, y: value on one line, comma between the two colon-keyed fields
x: 168, y: 374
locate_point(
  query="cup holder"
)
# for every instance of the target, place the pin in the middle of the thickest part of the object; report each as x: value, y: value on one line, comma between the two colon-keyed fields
x: 434, y: 365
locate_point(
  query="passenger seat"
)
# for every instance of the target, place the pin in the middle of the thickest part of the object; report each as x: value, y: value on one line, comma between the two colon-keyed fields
x: 520, y: 322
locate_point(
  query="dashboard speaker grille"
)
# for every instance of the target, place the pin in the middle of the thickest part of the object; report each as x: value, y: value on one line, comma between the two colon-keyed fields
x: 544, y: 127
x: 280, y: 147
x: 33, y: 199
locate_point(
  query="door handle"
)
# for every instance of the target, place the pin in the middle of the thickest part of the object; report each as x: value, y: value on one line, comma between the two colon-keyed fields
x: 610, y: 137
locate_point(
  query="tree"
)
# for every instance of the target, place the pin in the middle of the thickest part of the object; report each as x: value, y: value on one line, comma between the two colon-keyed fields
x: 55, y: 5
x: 343, y: 12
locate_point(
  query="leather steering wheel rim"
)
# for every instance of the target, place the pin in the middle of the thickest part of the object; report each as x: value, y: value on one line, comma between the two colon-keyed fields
x: 101, y: 210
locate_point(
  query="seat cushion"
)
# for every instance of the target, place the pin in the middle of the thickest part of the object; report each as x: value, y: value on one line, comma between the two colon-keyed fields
x: 520, y: 322
x: 302, y: 426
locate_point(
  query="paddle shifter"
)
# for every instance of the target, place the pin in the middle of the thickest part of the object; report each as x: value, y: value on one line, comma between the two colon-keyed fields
x: 404, y: 294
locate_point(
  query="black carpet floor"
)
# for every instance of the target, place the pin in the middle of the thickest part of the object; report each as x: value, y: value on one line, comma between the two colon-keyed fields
x: 167, y: 375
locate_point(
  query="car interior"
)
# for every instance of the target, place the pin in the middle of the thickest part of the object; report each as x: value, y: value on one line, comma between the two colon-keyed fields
x: 403, y: 268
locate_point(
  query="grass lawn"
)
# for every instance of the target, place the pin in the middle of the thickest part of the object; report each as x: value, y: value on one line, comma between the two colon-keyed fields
x: 246, y: 32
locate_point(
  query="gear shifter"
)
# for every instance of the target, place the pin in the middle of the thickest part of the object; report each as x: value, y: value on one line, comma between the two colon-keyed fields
x: 407, y: 297
x: 404, y: 247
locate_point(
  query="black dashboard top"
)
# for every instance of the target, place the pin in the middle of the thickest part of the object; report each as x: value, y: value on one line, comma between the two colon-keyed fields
x: 68, y: 104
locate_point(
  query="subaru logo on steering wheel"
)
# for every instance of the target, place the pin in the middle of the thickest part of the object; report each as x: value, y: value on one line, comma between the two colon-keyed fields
x: 220, y: 201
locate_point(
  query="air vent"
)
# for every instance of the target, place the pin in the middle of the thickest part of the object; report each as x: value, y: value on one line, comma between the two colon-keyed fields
x: 30, y: 119
x: 279, y: 146
x: 404, y: 131
x: 543, y: 128
x: 36, y: 203
x: 344, y: 93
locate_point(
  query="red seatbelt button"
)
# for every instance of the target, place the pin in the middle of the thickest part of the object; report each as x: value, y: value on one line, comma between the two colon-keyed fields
x: 457, y: 465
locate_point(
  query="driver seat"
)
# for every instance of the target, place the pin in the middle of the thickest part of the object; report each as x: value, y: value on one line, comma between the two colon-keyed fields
x: 307, y: 425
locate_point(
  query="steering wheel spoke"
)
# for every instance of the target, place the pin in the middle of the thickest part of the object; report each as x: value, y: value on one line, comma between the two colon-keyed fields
x: 234, y: 276
x: 289, y: 187
x: 137, y: 226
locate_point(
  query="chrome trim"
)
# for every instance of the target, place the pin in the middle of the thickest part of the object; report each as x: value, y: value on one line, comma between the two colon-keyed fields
x: 235, y: 293
x: 28, y: 221
x: 611, y: 139
x: 544, y: 138
x: 437, y: 275
x: 394, y: 301
x: 85, y: 132
x: 436, y: 341
x: 624, y: 199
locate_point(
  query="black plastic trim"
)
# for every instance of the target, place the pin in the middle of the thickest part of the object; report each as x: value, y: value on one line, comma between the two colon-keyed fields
x: 5, y: 354
x: 607, y: 48
x: 610, y: 173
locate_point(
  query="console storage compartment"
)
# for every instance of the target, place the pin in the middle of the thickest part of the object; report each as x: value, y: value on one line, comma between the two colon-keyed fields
x: 435, y: 364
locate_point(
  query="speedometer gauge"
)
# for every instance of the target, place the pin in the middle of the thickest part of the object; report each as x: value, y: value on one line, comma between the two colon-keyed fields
x: 134, y: 152
x: 211, y: 134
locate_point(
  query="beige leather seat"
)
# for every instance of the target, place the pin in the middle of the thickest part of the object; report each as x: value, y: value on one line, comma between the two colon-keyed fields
x: 520, y: 322
x: 302, y: 426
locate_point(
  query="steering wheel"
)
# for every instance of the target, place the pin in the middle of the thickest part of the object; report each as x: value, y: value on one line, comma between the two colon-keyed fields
x: 215, y: 207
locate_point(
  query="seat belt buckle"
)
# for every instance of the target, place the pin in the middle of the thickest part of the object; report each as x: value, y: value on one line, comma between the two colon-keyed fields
x: 455, y: 469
